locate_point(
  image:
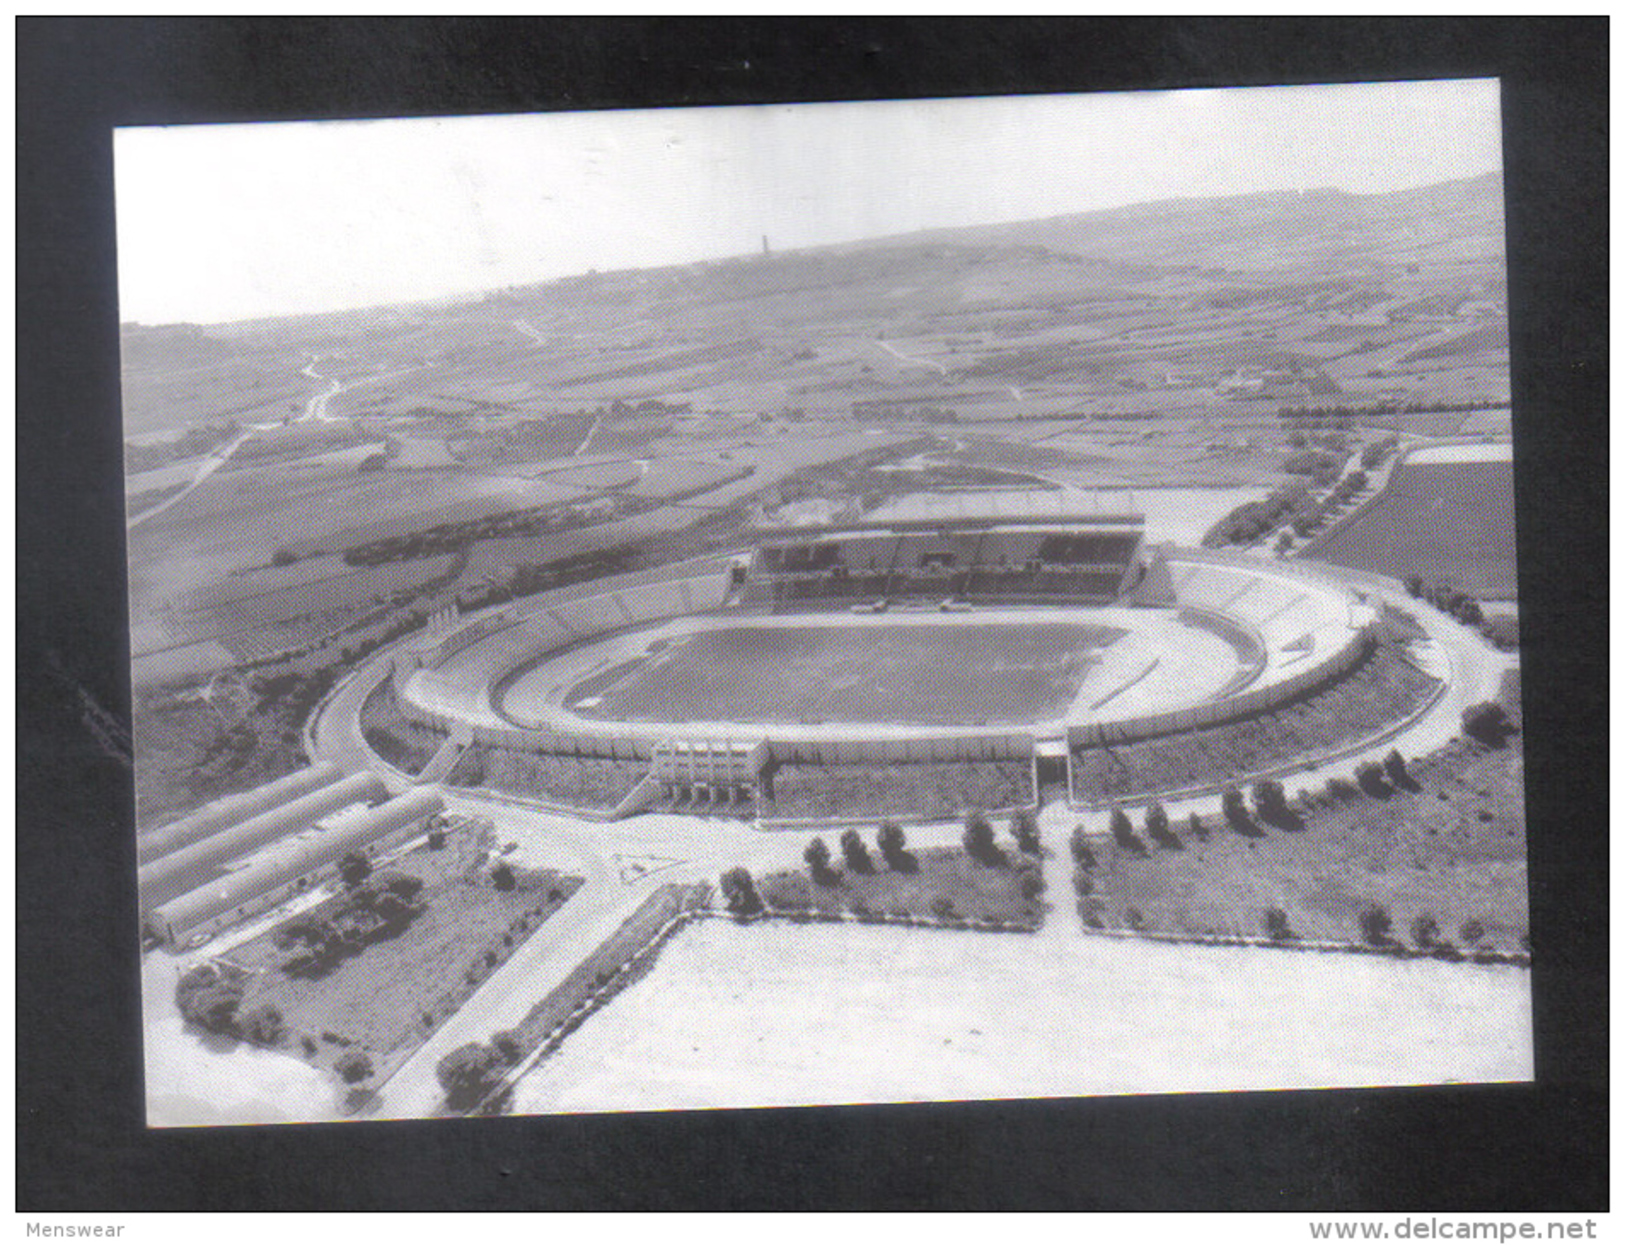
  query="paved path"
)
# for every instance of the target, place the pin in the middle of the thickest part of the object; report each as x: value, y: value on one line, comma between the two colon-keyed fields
x: 206, y: 468
x: 906, y: 358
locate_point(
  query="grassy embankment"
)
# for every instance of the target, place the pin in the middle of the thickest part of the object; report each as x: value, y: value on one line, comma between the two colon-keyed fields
x: 1442, y: 856
x: 1385, y: 687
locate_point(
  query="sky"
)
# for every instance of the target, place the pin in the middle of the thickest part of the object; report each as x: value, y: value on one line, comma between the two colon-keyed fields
x: 228, y: 222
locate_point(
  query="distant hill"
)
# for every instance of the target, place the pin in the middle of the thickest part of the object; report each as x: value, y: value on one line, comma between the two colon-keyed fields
x: 1262, y: 232
x: 169, y: 347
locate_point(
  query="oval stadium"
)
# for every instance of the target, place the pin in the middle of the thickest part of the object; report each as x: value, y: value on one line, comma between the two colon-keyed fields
x: 912, y: 665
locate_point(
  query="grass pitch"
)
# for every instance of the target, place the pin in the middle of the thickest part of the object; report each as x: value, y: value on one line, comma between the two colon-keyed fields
x: 927, y: 675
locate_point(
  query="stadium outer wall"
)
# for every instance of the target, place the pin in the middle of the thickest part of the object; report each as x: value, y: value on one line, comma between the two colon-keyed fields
x: 1343, y: 642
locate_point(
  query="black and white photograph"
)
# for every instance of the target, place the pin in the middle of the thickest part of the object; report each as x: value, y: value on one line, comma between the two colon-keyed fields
x: 639, y: 610
x: 651, y: 609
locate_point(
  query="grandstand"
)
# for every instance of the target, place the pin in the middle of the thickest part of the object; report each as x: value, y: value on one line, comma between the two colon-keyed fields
x: 1025, y: 547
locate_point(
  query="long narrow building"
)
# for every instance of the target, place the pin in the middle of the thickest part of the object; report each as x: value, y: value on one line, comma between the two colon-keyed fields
x: 233, y: 810
x: 281, y: 875
x: 192, y: 866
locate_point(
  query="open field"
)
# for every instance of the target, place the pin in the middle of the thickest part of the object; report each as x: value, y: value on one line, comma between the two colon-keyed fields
x: 777, y: 1015
x: 912, y: 674
x: 1449, y: 846
x: 466, y: 931
x: 1445, y: 521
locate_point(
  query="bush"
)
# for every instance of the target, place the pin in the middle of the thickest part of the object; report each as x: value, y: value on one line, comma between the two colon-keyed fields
x: 1196, y: 829
x: 502, y: 877
x: 506, y: 1043
x: 1340, y: 789
x: 353, y: 1067
x: 1276, y: 926
x: 1472, y: 931
x: 354, y: 868
x: 1501, y: 630
x: 1134, y: 919
x: 213, y: 1007
x: 1032, y: 885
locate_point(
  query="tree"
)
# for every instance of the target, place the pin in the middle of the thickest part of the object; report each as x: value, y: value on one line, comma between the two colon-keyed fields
x: 739, y: 892
x: 1424, y: 933
x: 1487, y: 722
x: 1123, y: 832
x: 1369, y: 775
x: 1082, y: 853
x: 817, y: 858
x: 1024, y: 825
x: 506, y: 1043
x: 1472, y: 931
x: 1156, y: 825
x: 502, y: 877
x: 1269, y: 798
x: 856, y: 854
x: 1276, y: 926
x: 353, y: 1066
x: 1195, y: 828
x: 1235, y: 812
x: 978, y: 839
x: 468, y: 1073
x: 1394, y: 766
x: 891, y: 842
x: 1376, y: 926
x: 354, y: 868
x: 263, y: 1025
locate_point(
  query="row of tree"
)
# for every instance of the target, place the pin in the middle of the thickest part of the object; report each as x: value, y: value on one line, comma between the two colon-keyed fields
x: 1446, y: 597
x: 890, y: 842
x: 1269, y: 807
x: 374, y: 910
x: 1298, y: 414
x: 1254, y: 519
